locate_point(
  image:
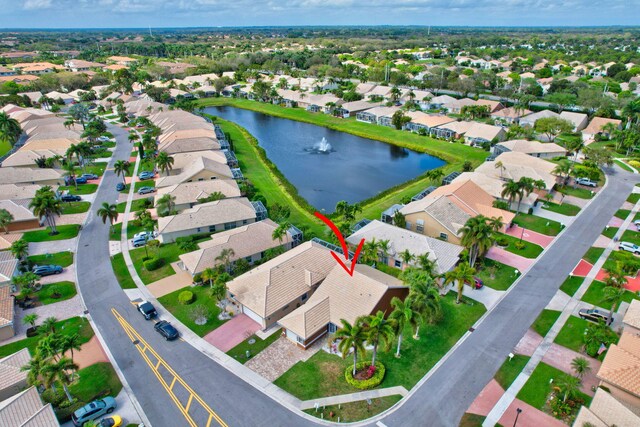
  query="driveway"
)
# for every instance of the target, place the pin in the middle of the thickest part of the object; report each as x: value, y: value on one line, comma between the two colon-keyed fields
x: 42, y: 248
x: 280, y: 356
x: 165, y: 286
x: 232, y: 333
x: 510, y: 259
x: 68, y: 274
x: 485, y: 295
x: 60, y: 310
x: 530, y: 236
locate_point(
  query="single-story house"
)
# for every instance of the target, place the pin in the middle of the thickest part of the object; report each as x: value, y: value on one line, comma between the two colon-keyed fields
x: 183, y: 160
x: 516, y: 165
x: 187, y: 193
x: 543, y: 150
x: 46, y: 176
x: 23, y: 218
x: 201, y: 169
x: 440, y: 101
x: 494, y: 106
x: 531, y: 119
x: 349, y: 109
x: 480, y: 133
x: 7, y: 315
x: 280, y: 285
x: 373, y: 115
x: 456, y: 106
x: 12, y: 378
x: 494, y: 186
x: 18, y: 192
x: 26, y: 409
x: 579, y: 120
x: 65, y: 97
x: 383, y: 91
x: 596, y: 126
x: 364, y: 88
x: 339, y: 297
x: 604, y: 411
x: 182, y: 141
x: 429, y: 122
x: 454, y: 129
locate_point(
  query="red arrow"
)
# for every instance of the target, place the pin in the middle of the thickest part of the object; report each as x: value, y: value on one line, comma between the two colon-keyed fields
x: 345, y: 249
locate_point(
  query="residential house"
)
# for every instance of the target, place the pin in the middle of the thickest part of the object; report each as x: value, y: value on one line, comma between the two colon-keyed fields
x: 23, y: 218
x: 59, y: 96
x: 420, y: 97
x: 543, y: 150
x: 431, y: 123
x: 531, y: 119
x: 494, y: 186
x: 114, y: 67
x: 47, y: 176
x: 364, y: 88
x: 516, y: 165
x: 339, y: 297
x: 481, y: 133
x: 188, y: 140
x: 34, y: 97
x: 187, y: 194
x: 456, y: 105
x: 350, y: 109
x: 224, y: 214
x: 27, y: 410
x: 444, y: 255
x: 80, y: 65
x: 37, y: 68
x: 443, y: 213
x: 122, y: 60
x: 18, y: 192
x: 454, y: 129
x: 439, y: 101
x: 597, y: 127
x: 18, y: 54
x: 381, y: 91
x: 13, y: 379
x: 249, y: 242
x: 492, y: 105
x: 7, y: 327
x: 373, y: 115
x: 175, y: 67
x: 279, y: 286
x: 606, y: 411
x: 4, y: 71
x: 21, y: 79
x: 200, y: 169
x: 579, y: 120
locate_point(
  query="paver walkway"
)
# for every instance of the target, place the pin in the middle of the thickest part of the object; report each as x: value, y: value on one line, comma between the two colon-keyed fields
x: 510, y: 259
x: 486, y: 399
x: 280, y: 356
x: 528, y: 344
x: 41, y: 248
x: 582, y: 269
x: 530, y: 236
x: 560, y: 357
x: 232, y: 333
x: 529, y: 417
x: 615, y: 222
x: 172, y: 283
x: 602, y: 242
x: 633, y: 283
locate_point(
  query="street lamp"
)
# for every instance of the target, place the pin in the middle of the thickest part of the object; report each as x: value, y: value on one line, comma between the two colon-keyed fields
x: 518, y: 411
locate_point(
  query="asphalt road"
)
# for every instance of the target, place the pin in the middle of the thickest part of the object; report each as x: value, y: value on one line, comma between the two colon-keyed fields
x: 440, y: 401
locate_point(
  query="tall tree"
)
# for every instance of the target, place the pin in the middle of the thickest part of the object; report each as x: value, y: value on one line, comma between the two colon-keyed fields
x: 164, y: 162
x: 580, y: 366
x: 352, y: 338
x: 46, y: 206
x: 458, y: 276
x: 402, y: 315
x: 477, y: 236
x: 166, y: 204
x: 20, y: 249
x: 121, y: 167
x: 6, y: 218
x: 108, y: 212
x: 225, y: 258
x: 10, y: 129
x: 379, y: 330
x: 615, y: 296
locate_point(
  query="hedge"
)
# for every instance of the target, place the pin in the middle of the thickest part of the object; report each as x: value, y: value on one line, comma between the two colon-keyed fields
x: 370, y: 383
x: 153, y: 264
x: 186, y: 297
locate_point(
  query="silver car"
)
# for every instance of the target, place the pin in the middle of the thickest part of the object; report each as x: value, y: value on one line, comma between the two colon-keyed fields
x: 629, y: 247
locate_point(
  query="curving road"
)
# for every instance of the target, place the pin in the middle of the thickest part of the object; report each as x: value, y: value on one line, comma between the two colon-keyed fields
x: 441, y: 398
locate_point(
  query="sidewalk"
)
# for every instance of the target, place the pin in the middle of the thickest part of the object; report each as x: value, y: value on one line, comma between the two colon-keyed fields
x: 354, y: 397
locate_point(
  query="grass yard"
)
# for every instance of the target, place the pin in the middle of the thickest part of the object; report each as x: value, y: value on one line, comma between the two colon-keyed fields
x: 537, y: 388
x: 168, y: 252
x: 623, y: 165
x: 83, y: 189
x: 631, y: 236
x: 633, y: 198
x: 5, y: 146
x: 183, y: 312
x: 595, y: 295
x: 593, y: 254
x: 571, y: 285
x: 496, y: 275
x: 471, y: 420
x: 510, y: 370
x: 239, y: 352
x: 622, y: 213
x: 65, y: 232
x: 571, y: 334
x: 74, y: 207
x: 136, y: 205
x: 115, y: 232
x: 146, y: 183
x: 610, y: 232
x: 581, y: 193
x: 355, y: 411
x: 563, y: 209
x: 323, y: 374
x: 74, y: 325
x: 530, y: 250
x: 545, y: 321
x: 538, y: 224
x: 96, y: 168
x: 97, y: 380
x: 122, y: 272
x: 64, y: 289
x: 63, y: 259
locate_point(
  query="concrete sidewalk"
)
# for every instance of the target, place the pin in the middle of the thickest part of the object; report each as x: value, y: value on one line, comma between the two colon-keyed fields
x: 354, y: 397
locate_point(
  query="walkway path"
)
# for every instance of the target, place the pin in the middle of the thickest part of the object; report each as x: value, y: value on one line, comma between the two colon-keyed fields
x: 530, y: 236
x: 354, y: 397
x: 279, y: 357
x: 171, y: 283
x: 562, y: 219
x: 510, y: 259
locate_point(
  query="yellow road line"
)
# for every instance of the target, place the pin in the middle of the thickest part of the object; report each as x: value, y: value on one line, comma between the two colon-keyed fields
x: 144, y: 348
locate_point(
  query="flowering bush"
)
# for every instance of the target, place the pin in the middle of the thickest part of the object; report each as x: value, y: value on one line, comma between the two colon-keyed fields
x: 373, y: 375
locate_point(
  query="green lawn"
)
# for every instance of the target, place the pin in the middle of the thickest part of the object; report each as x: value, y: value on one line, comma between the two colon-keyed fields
x: 183, y: 312
x: 510, y: 370
x: 5, y: 146
x: 116, y: 231
x: 122, y: 273
x: 63, y: 259
x: 471, y: 420
x: 68, y: 231
x: 571, y: 334
x: 593, y: 254
x: 323, y: 374
x: 537, y: 388
x: 74, y: 207
x: 610, y: 232
x: 95, y: 381
x: 65, y: 289
x: 146, y: 183
x: 355, y: 411
x: 169, y: 252
x: 545, y: 321
x: 563, y: 209
x: 496, y: 275
x: 136, y: 205
x: 239, y: 352
x: 96, y: 168
x: 571, y: 285
x: 623, y: 165
x: 631, y: 236
x: 595, y: 295
x: 622, y: 213
x: 70, y: 326
x: 581, y: 193
x: 633, y: 198
x: 82, y: 189
x: 530, y: 250
x: 538, y: 224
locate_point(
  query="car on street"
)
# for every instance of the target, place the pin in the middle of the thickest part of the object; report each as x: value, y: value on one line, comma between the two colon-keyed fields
x: 629, y: 247
x: 93, y: 410
x: 89, y: 176
x: 167, y: 330
x: 146, y: 175
x: 70, y: 198
x: 595, y: 315
x: 47, y: 270
x: 81, y: 180
x: 112, y: 421
x: 120, y: 186
x: 145, y: 234
x: 146, y: 190
x: 586, y: 182
x: 477, y: 283
x: 147, y: 309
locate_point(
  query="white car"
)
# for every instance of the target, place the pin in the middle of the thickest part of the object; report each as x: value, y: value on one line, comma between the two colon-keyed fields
x: 637, y: 223
x: 146, y: 234
x: 629, y: 247
x: 586, y: 182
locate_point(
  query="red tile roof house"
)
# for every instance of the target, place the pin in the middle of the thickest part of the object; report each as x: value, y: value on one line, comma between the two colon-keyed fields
x: 596, y: 126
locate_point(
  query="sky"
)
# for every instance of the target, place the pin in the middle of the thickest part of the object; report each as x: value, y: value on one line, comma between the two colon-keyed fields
x: 212, y: 13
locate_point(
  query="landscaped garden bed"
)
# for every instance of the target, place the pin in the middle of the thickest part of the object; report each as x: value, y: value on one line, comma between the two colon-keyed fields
x: 519, y: 247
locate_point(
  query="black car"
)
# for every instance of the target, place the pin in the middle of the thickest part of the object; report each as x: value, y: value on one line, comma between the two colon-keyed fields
x: 70, y: 198
x: 81, y: 180
x: 47, y: 270
x: 595, y: 315
x: 147, y: 310
x: 120, y: 186
x: 165, y: 329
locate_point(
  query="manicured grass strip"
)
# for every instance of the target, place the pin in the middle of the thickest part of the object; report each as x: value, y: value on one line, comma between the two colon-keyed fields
x: 631, y: 236
x: 537, y: 388
x: 82, y: 189
x: 595, y: 295
x: 496, y: 275
x: 99, y: 379
x: 122, y: 273
x: 633, y: 198
x: 355, y: 411
x: 545, y: 321
x: 146, y: 183
x: 610, y: 232
x: 5, y: 146
x: 239, y: 352
x: 538, y: 224
x: 623, y: 165
x: 622, y: 213
x: 563, y: 209
x: 63, y: 259
x: 96, y: 168
x: 74, y: 207
x: 64, y: 289
x: 571, y: 334
x: 571, y: 285
x: 593, y: 254
x: 136, y: 205
x: 471, y: 420
x: 68, y: 231
x: 116, y: 230
x: 581, y: 193
x: 510, y: 370
x: 184, y: 312
x: 530, y: 250
x: 168, y: 252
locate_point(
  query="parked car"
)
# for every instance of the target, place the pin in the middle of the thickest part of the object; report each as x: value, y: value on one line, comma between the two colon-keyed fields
x: 167, y: 330
x: 637, y: 223
x: 89, y: 176
x: 586, y: 182
x: 112, y: 421
x: 629, y: 247
x: 140, y: 241
x: 146, y: 234
x: 477, y: 283
x: 147, y: 309
x: 93, y: 410
x: 595, y: 315
x: 47, y: 270
x: 81, y: 180
x: 70, y: 198
x: 102, y: 138
x: 120, y: 186
x: 146, y: 175
x: 146, y: 190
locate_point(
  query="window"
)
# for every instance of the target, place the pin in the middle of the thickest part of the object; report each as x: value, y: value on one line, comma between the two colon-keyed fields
x: 230, y: 225
x: 198, y: 229
x: 408, y: 225
x: 262, y: 254
x: 332, y: 328
x: 304, y: 297
x: 248, y: 258
x: 245, y: 221
x: 200, y: 179
x: 300, y: 339
x: 212, y: 228
x: 420, y: 225
x: 213, y: 177
x: 444, y: 236
x: 397, y: 264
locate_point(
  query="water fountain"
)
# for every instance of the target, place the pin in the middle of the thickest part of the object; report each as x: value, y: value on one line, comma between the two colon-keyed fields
x: 322, y: 147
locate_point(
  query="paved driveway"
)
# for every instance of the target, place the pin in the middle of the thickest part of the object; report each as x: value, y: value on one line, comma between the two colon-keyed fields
x: 510, y: 259
x: 232, y: 333
x: 530, y: 236
x: 41, y: 248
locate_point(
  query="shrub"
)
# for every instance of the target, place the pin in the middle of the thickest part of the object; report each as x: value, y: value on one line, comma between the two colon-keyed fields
x: 373, y: 381
x: 634, y: 163
x: 55, y: 398
x: 197, y: 278
x: 64, y: 414
x: 520, y: 245
x: 153, y: 264
x: 186, y: 297
x: 502, y: 241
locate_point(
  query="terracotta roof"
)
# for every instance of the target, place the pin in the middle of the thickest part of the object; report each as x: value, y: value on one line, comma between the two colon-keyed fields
x: 517, y: 165
x: 190, y: 192
x: 493, y: 105
x: 491, y: 185
x: 27, y: 410
x: 597, y: 123
x: 8, y: 266
x: 382, y: 111
x: 605, y: 410
x: 442, y: 99
x: 621, y: 365
x: 533, y: 147
x: 632, y: 316
x: 207, y: 214
x: 6, y: 306
x: 458, y: 127
x: 429, y: 120
x: 10, y: 372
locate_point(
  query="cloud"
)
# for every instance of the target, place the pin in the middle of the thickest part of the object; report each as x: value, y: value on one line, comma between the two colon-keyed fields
x: 37, y: 4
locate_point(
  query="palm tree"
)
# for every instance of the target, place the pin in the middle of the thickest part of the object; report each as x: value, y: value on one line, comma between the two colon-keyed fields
x: 477, y: 237
x: 384, y: 246
x: 30, y: 319
x: 46, y: 205
x: 219, y: 290
x: 121, y: 167
x: 68, y: 123
x: 20, y: 249
x: 70, y: 343
x: 108, y: 212
x: 378, y: 331
x: 164, y: 162
x: 435, y: 175
x: 563, y: 169
x: 133, y: 136
x: 10, y: 129
x: 351, y: 338
x: 580, y: 366
x: 511, y: 190
x: 6, y: 218
x: 59, y: 371
x: 166, y: 204
x: 35, y: 368
x: 500, y: 165
x: 406, y: 256
x: 70, y: 171
x: 225, y: 257
x: 49, y: 325
x: 395, y: 93
x: 280, y: 231
x: 458, y: 276
x: 370, y: 251
x: 402, y: 315
x: 569, y: 386
x: 614, y: 295
x: 209, y: 274
x: 426, y: 263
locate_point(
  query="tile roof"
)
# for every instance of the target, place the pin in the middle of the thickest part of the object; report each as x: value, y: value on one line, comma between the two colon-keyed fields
x: 19, y: 212
x: 621, y: 365
x: 491, y: 185
x: 27, y: 410
x: 10, y: 369
x: 6, y: 306
x: 207, y: 214
x: 429, y: 120
x: 23, y: 158
x: 198, y: 165
x: 8, y: 266
x: 532, y: 118
x: 360, y: 105
x: 517, y: 165
x: 18, y: 191
x: 576, y: 118
x: 183, y: 160
x: 605, y: 410
x: 11, y: 175
x: 510, y: 113
x: 533, y: 147
x: 597, y: 123
x: 190, y: 192
x: 484, y: 131
x: 632, y: 316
